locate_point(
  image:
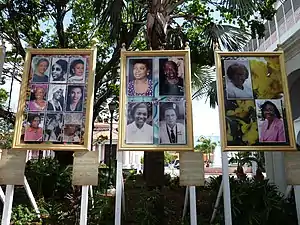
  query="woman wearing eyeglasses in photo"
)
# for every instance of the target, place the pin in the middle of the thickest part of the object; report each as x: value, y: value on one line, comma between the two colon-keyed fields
x: 56, y: 98
x: 59, y: 71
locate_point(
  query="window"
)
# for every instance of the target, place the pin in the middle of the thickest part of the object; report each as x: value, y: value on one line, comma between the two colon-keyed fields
x: 296, y: 4
x: 288, y: 8
x: 279, y: 16
x: 267, y: 32
x: 272, y: 26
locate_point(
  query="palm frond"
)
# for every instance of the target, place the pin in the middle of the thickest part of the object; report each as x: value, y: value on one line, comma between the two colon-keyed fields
x: 228, y: 37
x: 110, y: 13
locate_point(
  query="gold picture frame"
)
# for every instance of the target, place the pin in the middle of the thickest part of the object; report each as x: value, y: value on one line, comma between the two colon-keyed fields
x: 66, y: 102
x: 155, y: 99
x: 254, y: 103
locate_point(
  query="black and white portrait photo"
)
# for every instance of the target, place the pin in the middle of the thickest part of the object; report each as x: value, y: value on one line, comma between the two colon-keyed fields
x: 171, y: 76
x: 77, y: 70
x: 72, y: 133
x: 238, y: 79
x: 73, y: 118
x: 172, y: 123
x: 139, y: 128
x: 56, y: 97
x: 40, y: 69
x: 59, y: 70
x: 53, y: 127
x: 74, y: 98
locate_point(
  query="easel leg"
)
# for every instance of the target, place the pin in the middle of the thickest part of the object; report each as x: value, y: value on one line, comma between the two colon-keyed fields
x: 217, y: 202
x: 7, y: 210
x: 2, y: 196
x: 226, y: 190
x: 92, y: 195
x: 31, y: 197
x: 193, y: 206
x: 123, y: 195
x: 186, y: 200
x: 119, y: 188
x: 84, y: 204
x: 297, y: 200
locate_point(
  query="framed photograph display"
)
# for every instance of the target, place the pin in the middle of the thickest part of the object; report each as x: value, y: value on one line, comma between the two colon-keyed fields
x: 254, y: 105
x: 55, y: 108
x: 155, y: 101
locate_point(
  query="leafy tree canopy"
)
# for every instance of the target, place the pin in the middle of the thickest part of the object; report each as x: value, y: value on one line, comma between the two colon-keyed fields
x: 140, y: 24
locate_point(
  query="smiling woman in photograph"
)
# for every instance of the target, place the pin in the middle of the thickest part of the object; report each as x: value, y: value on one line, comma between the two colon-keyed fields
x: 236, y: 86
x: 75, y: 98
x: 59, y: 70
x: 77, y: 71
x: 56, y: 98
x: 34, y: 132
x: 38, y: 102
x: 139, y: 131
x: 40, y: 69
x: 141, y: 85
x: 272, y: 127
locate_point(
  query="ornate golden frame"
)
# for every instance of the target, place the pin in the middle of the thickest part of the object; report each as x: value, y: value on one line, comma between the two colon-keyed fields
x: 221, y: 103
x: 92, y: 53
x: 189, y: 146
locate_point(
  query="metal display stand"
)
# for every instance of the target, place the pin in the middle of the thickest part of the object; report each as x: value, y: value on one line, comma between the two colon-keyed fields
x: 120, y: 200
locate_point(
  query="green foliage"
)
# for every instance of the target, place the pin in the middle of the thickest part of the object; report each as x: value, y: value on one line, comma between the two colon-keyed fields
x: 169, y: 157
x: 255, y: 202
x: 47, y: 178
x: 206, y: 146
x: 21, y: 215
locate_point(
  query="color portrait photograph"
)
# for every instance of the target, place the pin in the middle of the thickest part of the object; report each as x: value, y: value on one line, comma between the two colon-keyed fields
x: 59, y: 69
x: 56, y: 97
x: 238, y: 79
x: 171, y: 76
x: 271, y: 125
x: 53, y: 127
x: 34, y: 127
x: 140, y: 77
x: 38, y: 93
x: 172, y: 129
x: 40, y: 69
x: 74, y: 98
x: 77, y: 70
x: 139, y: 129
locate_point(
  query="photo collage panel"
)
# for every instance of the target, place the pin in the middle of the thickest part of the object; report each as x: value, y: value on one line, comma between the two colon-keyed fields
x: 56, y: 99
x: 155, y: 101
x: 254, y: 101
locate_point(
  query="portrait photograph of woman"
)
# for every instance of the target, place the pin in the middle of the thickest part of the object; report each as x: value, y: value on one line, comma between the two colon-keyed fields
x: 139, y: 128
x: 77, y: 70
x: 74, y: 98
x: 59, y: 70
x: 140, y: 77
x: 171, y: 81
x: 270, y: 120
x: 56, y: 97
x: 53, y: 127
x: 34, y: 127
x: 238, y: 79
x: 40, y: 68
x: 38, y: 97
